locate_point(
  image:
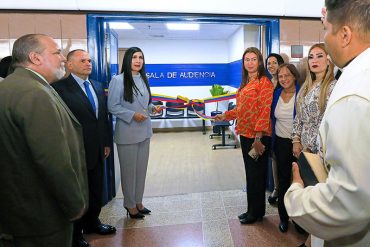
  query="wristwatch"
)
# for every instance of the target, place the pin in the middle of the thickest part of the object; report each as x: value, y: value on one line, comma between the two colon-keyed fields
x: 257, y: 138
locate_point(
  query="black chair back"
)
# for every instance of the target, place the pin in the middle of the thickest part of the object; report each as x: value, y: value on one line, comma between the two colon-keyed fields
x: 174, y: 112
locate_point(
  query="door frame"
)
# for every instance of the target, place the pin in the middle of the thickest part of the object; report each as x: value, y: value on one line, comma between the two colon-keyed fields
x: 96, y: 31
x: 97, y: 38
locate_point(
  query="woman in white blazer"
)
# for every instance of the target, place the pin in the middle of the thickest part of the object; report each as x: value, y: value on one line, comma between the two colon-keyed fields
x: 129, y: 100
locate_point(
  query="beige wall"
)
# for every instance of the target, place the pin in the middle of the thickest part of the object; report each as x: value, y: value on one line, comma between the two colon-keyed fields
x: 68, y: 29
x: 300, y: 32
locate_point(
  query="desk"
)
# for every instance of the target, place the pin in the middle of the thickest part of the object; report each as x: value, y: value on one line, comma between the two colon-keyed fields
x: 222, y: 125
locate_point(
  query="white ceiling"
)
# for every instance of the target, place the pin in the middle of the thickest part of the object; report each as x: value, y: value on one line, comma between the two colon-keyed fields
x: 159, y: 31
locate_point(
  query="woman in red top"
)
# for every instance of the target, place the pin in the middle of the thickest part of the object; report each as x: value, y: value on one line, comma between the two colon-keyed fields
x: 252, y: 111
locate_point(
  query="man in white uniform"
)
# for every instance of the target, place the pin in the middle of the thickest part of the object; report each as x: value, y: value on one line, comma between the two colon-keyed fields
x: 338, y: 211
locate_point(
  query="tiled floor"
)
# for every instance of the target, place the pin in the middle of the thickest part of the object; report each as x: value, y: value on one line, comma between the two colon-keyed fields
x: 199, y: 219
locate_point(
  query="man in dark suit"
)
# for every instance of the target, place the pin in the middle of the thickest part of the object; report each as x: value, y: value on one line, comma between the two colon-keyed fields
x: 86, y: 99
x: 43, y: 183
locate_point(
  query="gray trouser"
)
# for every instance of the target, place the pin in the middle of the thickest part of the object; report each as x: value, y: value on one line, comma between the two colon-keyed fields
x: 62, y: 238
x: 133, y: 159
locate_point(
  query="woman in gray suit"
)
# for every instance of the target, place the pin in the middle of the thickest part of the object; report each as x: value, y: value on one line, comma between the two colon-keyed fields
x: 129, y: 100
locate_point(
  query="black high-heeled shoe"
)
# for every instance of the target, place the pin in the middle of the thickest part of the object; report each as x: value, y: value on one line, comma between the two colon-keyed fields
x: 283, y: 226
x: 144, y: 210
x: 272, y: 200
x: 134, y: 216
x: 273, y: 197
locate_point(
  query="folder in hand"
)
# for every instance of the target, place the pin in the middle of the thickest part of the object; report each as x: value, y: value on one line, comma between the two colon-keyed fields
x: 253, y: 153
x: 311, y: 169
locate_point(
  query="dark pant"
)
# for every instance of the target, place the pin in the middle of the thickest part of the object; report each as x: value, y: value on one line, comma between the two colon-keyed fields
x: 283, y: 149
x: 95, y: 184
x: 62, y: 238
x: 256, y: 175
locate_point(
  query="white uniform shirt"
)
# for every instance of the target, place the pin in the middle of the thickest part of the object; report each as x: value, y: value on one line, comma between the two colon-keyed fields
x: 338, y: 211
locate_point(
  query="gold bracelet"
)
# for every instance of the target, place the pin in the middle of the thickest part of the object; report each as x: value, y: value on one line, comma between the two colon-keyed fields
x: 296, y: 141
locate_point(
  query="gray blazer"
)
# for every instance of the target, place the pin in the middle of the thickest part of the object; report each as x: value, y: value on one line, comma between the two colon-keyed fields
x: 127, y: 130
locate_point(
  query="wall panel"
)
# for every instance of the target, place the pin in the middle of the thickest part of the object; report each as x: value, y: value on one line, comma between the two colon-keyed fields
x: 69, y: 30
x: 20, y: 24
x: 73, y: 26
x: 299, y: 32
x: 4, y: 26
x: 48, y: 24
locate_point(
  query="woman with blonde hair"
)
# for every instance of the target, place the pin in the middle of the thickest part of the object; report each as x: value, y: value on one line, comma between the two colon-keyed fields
x: 312, y: 99
x: 311, y: 104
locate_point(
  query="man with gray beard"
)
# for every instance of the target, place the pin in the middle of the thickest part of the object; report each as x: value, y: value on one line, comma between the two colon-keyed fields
x: 42, y: 163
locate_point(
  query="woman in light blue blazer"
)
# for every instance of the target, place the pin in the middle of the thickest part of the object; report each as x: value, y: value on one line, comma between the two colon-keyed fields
x: 129, y: 100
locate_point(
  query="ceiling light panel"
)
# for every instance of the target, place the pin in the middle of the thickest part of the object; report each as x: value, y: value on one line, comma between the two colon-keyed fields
x: 120, y: 25
x: 182, y: 26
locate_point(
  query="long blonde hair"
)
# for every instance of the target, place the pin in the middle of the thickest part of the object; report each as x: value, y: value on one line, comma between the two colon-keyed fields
x: 311, y: 77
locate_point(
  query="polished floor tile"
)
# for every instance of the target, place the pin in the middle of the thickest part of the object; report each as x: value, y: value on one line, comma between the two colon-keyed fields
x: 184, y: 235
x: 264, y: 233
x: 206, y: 219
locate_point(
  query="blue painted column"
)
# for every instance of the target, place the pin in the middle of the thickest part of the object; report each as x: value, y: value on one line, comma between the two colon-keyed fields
x: 273, y: 36
x: 273, y: 46
x: 96, y: 48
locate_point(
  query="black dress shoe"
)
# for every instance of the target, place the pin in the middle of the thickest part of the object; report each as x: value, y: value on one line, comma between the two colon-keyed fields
x: 80, y: 242
x: 299, y: 229
x: 101, y: 229
x: 144, y: 210
x: 250, y: 219
x: 243, y: 215
x: 283, y: 226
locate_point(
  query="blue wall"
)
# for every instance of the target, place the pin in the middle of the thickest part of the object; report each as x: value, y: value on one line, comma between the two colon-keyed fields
x: 96, y: 42
x: 166, y: 75
x: 235, y: 73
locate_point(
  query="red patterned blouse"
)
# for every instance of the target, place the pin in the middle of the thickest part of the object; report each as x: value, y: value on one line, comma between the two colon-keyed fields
x: 253, y: 106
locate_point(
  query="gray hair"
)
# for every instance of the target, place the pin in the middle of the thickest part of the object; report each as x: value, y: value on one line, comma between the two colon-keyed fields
x: 24, y: 46
x: 71, y: 53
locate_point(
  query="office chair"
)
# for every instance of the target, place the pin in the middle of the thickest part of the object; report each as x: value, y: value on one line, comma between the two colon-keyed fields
x: 217, y: 128
x: 223, y: 125
x: 190, y: 113
x: 174, y: 112
x: 198, y: 107
x: 157, y: 115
